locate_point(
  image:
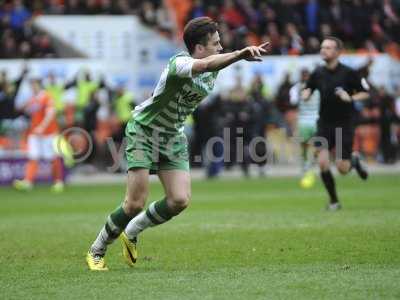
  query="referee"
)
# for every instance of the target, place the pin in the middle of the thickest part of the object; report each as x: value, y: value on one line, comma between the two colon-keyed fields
x: 339, y: 87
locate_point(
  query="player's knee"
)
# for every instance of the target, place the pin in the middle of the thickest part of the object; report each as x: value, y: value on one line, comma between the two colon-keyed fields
x: 343, y: 168
x: 323, y: 160
x: 134, y: 204
x: 133, y: 208
x: 180, y: 201
x: 324, y: 165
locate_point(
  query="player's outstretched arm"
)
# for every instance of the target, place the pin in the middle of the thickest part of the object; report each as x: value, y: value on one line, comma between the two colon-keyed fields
x: 217, y: 62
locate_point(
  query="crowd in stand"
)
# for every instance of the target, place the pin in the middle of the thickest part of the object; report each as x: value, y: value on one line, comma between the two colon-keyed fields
x: 19, y: 38
x: 296, y: 26
x: 293, y: 27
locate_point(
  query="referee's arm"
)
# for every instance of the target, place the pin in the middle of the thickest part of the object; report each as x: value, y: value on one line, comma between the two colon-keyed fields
x: 360, y: 96
x: 359, y: 87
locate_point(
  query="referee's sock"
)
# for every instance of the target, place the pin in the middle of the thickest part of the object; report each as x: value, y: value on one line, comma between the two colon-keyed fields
x: 329, y: 183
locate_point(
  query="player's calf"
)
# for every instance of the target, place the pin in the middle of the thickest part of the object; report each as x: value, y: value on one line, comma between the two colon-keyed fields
x: 323, y: 160
x: 137, y: 191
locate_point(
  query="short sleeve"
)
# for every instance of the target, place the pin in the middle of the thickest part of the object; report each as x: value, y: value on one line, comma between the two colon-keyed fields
x: 182, y: 66
x: 356, y: 83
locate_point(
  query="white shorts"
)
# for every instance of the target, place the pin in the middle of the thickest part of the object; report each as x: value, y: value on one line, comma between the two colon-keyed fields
x: 41, y: 147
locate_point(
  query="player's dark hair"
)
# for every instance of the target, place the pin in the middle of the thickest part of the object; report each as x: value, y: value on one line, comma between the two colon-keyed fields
x: 338, y: 42
x: 198, y: 31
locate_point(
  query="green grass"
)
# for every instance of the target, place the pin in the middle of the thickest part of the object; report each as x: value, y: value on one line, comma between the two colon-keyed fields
x: 240, y: 239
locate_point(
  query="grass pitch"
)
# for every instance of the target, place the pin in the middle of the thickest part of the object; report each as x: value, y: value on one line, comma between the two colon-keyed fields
x: 239, y: 239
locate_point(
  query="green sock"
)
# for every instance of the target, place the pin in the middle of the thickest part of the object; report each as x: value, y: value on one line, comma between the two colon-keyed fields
x: 115, y: 224
x: 158, y: 212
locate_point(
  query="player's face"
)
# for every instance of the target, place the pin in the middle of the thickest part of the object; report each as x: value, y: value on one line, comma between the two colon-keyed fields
x: 213, y: 45
x: 329, y: 50
x: 305, y: 76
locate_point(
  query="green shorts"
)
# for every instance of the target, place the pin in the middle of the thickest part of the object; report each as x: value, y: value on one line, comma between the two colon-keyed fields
x: 307, y: 132
x: 149, y: 150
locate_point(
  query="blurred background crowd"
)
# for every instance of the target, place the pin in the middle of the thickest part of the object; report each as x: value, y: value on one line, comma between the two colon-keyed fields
x: 103, y: 112
x: 294, y: 27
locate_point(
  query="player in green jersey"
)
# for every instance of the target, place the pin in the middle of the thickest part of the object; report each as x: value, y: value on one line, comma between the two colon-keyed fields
x: 156, y: 142
x: 308, y: 111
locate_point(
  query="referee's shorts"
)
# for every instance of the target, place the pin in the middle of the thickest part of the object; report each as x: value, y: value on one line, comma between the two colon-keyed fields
x: 335, y: 137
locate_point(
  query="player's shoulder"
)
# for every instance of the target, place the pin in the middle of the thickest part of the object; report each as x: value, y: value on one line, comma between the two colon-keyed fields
x: 180, y: 64
x: 182, y: 54
x: 318, y: 70
x: 347, y: 68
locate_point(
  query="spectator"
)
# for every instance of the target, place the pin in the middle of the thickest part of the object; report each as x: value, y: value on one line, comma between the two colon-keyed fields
x: 19, y: 15
x: 312, y: 45
x: 8, y: 92
x: 284, y: 106
x: 10, y: 47
x: 122, y: 7
x: 197, y: 9
x: 164, y: 21
x: 73, y: 7
x: 311, y: 12
x: 388, y: 116
x: 148, y: 13
x: 231, y: 15
x: 122, y: 103
x: 54, y: 8
x: 295, y: 40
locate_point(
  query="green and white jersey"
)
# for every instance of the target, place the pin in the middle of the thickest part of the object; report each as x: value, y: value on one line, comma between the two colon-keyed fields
x: 175, y: 97
x: 308, y: 110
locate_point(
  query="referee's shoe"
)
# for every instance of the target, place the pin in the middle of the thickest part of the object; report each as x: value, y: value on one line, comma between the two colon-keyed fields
x: 359, y: 166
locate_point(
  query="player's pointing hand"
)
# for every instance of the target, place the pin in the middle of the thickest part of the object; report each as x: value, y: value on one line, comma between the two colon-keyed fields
x: 254, y: 53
